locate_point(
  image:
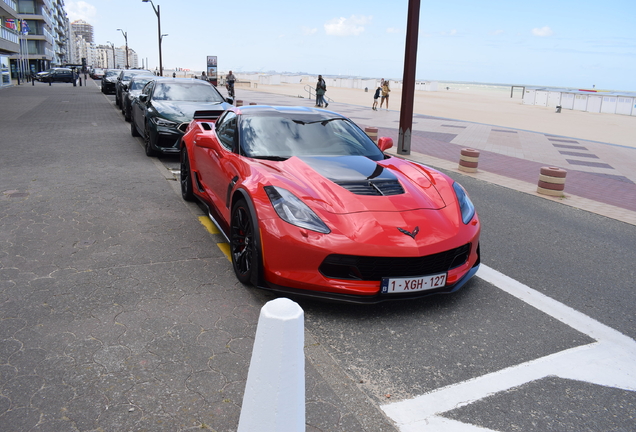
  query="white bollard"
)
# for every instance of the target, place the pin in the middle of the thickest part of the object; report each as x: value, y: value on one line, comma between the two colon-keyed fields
x: 274, y: 399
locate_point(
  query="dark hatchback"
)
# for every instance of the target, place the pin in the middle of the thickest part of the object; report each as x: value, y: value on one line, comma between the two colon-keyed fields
x: 109, y: 81
x: 58, y: 75
x: 165, y: 107
x: 123, y: 79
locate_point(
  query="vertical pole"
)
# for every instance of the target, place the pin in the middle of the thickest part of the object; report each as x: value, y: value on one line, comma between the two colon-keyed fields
x: 408, y: 81
x: 159, y: 33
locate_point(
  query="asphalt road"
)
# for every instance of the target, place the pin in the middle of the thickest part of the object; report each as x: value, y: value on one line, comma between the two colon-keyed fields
x: 119, y: 311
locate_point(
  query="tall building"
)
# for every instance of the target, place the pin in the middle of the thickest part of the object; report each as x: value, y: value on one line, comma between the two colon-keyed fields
x: 84, y: 29
x: 46, y: 42
x: 9, y: 38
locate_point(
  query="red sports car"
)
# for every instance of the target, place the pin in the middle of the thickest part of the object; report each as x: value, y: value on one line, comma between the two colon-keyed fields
x: 311, y: 206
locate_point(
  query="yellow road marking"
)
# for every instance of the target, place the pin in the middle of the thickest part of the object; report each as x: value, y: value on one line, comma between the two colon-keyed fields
x: 225, y: 248
x: 209, y: 225
x: 212, y: 229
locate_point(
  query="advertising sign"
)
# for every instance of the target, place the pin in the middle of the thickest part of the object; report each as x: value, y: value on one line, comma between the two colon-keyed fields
x: 212, y: 72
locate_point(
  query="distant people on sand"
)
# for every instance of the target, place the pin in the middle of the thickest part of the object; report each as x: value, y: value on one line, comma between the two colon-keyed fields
x: 376, y: 96
x: 321, y: 88
x: 385, y: 95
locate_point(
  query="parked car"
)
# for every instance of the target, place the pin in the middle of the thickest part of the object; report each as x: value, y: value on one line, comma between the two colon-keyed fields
x: 165, y: 107
x: 97, y: 73
x: 110, y: 80
x: 58, y: 75
x: 131, y: 90
x: 311, y: 206
x: 123, y: 79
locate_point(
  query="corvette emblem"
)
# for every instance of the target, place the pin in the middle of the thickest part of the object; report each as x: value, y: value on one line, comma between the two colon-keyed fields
x: 410, y: 234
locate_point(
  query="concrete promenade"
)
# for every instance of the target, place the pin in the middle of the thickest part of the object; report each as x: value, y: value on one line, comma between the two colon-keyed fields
x: 601, y: 177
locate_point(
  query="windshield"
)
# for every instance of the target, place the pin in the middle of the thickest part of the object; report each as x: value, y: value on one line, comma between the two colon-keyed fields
x: 274, y: 137
x: 187, y: 92
x: 139, y: 83
x: 112, y: 72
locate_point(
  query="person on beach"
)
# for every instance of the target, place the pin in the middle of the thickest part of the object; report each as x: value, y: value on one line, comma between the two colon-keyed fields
x: 376, y: 96
x: 321, y: 88
x: 385, y: 95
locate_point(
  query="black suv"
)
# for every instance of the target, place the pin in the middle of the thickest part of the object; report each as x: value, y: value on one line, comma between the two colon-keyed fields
x: 59, y: 75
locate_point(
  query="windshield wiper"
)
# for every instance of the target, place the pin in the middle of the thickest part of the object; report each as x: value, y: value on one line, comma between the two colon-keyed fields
x: 322, y: 122
x: 272, y: 158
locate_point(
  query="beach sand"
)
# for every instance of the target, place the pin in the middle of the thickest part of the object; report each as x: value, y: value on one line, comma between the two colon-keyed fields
x: 490, y: 107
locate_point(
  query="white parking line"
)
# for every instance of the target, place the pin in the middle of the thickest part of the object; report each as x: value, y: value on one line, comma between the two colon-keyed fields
x: 610, y: 361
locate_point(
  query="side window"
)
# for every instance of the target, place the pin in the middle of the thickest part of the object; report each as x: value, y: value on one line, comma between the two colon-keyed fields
x: 226, y: 130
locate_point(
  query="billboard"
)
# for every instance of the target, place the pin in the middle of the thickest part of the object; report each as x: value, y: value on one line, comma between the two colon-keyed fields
x: 212, y: 70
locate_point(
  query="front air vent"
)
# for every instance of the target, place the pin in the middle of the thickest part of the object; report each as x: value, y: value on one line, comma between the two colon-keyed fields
x: 373, y: 188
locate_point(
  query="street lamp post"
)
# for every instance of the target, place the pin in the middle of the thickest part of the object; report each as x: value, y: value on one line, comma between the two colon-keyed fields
x: 159, y: 35
x: 126, y: 38
x: 112, y: 45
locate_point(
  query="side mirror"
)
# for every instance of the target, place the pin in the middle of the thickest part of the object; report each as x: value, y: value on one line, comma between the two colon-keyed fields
x: 124, y: 87
x: 143, y: 98
x: 385, y: 143
x: 230, y: 101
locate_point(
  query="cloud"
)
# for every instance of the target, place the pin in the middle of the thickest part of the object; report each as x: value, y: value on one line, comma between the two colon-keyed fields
x: 453, y: 32
x: 394, y: 30
x: 347, y: 26
x: 496, y: 32
x: 542, y: 32
x: 77, y: 10
x: 308, y: 31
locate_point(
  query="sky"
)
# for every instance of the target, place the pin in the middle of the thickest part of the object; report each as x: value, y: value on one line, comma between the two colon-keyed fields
x: 555, y: 43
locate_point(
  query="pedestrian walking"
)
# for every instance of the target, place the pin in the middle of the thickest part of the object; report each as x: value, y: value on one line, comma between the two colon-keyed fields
x: 321, y: 88
x: 376, y: 96
x: 385, y: 95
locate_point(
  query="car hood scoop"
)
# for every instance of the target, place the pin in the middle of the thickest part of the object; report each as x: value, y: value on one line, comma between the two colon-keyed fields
x: 358, y: 174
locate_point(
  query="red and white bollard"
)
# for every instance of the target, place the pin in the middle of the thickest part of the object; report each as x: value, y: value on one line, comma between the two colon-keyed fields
x: 468, y: 160
x: 551, y: 181
x: 372, y: 132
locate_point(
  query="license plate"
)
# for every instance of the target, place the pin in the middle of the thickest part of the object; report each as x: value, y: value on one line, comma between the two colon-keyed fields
x: 412, y: 284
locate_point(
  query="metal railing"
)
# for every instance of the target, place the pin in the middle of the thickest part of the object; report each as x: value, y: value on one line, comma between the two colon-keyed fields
x: 10, y: 35
x: 312, y: 94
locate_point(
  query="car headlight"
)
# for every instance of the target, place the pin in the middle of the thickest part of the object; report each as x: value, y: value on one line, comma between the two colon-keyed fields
x: 465, y: 204
x: 292, y: 210
x: 163, y: 122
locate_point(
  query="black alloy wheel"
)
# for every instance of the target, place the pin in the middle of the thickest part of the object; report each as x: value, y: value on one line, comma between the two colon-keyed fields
x: 242, y: 244
x: 148, y: 143
x: 186, y: 176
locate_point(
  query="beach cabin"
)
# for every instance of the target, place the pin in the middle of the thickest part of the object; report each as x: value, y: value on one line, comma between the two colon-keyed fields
x: 594, y: 103
x: 554, y: 98
x: 541, y: 97
x: 567, y: 100
x: 608, y: 104
x: 624, y: 105
x: 528, y: 96
x: 580, y: 102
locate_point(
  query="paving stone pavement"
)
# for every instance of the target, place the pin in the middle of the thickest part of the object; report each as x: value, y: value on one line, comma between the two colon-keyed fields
x: 114, y: 315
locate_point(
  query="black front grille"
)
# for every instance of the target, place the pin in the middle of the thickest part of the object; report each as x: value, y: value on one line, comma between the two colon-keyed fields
x: 375, y: 268
x: 377, y: 188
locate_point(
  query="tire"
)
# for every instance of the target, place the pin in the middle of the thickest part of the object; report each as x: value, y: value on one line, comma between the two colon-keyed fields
x: 150, y: 152
x: 185, y: 176
x: 126, y: 115
x: 243, y: 245
x: 133, y: 129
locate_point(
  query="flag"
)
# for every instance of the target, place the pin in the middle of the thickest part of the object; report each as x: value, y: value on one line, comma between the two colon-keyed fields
x: 9, y: 23
x: 25, y: 27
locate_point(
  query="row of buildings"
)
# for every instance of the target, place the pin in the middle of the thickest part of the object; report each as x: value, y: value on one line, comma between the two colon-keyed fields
x: 36, y: 35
